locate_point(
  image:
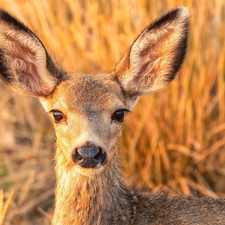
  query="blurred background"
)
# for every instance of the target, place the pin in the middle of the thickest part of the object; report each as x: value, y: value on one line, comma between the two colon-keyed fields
x: 173, y: 140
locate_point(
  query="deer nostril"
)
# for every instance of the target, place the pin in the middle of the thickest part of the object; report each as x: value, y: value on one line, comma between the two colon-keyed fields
x: 98, y: 157
x: 79, y: 157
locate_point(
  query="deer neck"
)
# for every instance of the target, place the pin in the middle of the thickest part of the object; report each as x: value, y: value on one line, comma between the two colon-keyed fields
x: 89, y: 200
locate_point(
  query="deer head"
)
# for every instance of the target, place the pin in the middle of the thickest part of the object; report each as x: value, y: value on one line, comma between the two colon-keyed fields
x: 88, y: 110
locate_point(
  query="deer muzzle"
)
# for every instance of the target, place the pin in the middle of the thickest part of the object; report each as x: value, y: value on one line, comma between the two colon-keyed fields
x: 87, y: 157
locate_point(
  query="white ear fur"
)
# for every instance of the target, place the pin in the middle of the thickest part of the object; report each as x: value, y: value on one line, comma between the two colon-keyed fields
x: 156, y: 55
x: 23, y: 59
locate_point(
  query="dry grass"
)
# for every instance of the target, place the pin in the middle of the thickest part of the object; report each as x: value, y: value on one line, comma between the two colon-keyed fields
x: 173, y: 140
x: 4, y: 209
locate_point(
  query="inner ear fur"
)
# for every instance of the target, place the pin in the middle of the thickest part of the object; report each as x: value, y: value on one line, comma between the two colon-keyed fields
x: 24, y: 62
x: 156, y: 55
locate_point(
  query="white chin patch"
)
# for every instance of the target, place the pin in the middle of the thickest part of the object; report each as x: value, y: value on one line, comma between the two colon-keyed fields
x: 88, y: 171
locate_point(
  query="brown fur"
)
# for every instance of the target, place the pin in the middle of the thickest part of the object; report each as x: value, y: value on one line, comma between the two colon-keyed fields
x: 99, y: 195
x: 156, y: 55
x: 24, y: 63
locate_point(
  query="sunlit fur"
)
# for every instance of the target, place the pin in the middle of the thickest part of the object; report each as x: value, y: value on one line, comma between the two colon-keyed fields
x: 99, y: 196
x: 156, y: 55
x: 23, y: 58
x: 87, y: 103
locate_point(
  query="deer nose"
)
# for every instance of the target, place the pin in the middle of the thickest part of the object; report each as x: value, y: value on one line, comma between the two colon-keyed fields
x: 88, y: 157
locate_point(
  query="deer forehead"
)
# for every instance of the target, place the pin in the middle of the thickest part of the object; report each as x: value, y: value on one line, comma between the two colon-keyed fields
x: 86, y: 95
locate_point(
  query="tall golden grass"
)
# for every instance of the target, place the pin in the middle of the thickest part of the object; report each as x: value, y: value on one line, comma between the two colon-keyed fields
x: 173, y: 141
x: 3, y: 210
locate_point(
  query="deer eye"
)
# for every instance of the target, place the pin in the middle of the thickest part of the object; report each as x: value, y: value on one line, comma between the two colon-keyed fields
x: 119, y: 115
x: 57, y: 115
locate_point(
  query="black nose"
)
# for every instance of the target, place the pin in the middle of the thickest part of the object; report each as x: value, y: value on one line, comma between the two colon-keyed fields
x: 88, y: 157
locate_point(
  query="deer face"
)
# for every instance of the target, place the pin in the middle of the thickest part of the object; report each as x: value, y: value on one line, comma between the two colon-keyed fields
x: 88, y: 110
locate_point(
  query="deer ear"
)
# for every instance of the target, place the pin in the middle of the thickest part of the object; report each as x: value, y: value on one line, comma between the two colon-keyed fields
x: 24, y: 62
x: 156, y: 55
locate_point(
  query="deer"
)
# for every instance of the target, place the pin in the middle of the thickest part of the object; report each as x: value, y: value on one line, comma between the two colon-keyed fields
x: 88, y: 113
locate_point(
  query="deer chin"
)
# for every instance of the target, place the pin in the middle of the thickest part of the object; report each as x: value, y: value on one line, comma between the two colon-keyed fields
x: 88, y: 171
